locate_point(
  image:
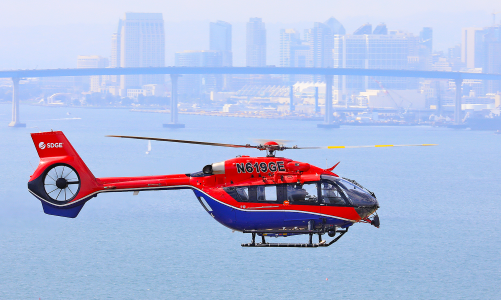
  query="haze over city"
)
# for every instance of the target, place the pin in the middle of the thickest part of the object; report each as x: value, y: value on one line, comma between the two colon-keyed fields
x: 50, y: 34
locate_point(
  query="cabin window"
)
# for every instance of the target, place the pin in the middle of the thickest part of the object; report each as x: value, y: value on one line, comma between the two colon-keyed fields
x: 270, y: 193
x: 243, y: 193
x: 262, y: 193
x: 306, y: 193
x: 332, y: 194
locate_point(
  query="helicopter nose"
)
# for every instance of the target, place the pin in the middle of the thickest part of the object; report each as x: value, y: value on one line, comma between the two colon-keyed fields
x: 367, y: 207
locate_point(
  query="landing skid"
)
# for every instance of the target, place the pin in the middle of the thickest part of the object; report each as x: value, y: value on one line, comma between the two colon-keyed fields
x: 321, y: 243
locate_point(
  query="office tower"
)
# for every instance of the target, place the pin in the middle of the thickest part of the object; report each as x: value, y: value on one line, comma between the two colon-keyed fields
x: 426, y: 48
x: 320, y: 40
x: 335, y: 26
x: 364, y: 29
x: 380, y: 29
x: 256, y: 43
x: 115, y: 53
x: 293, y: 53
x: 472, y: 47
x: 92, y: 83
x: 195, y: 85
x: 426, y: 38
x: 369, y: 51
x: 142, y: 44
x: 288, y: 38
x: 492, y: 57
x: 220, y: 40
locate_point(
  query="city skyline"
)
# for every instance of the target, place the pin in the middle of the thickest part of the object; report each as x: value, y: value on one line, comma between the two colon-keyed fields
x: 41, y: 46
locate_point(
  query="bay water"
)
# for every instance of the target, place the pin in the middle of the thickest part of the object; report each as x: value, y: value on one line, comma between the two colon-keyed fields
x: 439, y: 235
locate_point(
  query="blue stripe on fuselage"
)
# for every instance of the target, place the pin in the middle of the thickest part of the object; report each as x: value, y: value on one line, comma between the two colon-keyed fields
x: 238, y: 219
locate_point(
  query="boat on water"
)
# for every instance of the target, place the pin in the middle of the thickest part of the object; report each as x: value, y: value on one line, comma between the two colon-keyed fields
x: 488, y: 123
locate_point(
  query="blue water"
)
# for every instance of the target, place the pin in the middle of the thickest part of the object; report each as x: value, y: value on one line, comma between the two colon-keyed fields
x: 439, y: 235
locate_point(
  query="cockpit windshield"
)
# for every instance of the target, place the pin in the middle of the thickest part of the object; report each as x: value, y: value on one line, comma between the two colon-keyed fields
x: 339, y: 189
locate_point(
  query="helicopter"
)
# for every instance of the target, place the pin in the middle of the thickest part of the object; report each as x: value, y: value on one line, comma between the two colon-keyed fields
x: 265, y: 196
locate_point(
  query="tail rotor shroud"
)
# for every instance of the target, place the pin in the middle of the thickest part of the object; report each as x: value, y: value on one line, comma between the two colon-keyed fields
x: 61, y: 183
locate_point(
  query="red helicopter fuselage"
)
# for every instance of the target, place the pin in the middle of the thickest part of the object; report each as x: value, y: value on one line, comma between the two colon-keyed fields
x: 243, y: 193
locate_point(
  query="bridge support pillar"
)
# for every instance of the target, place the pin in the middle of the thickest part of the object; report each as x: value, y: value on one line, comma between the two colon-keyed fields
x: 173, y: 104
x: 15, y: 104
x: 291, y: 99
x: 457, y: 107
x: 317, y: 109
x: 328, y: 105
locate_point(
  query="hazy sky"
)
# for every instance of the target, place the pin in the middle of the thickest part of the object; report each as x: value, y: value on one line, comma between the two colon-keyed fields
x: 51, y: 33
x: 52, y: 12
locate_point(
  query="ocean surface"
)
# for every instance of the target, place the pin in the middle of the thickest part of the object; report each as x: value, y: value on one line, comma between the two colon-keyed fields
x: 440, y: 215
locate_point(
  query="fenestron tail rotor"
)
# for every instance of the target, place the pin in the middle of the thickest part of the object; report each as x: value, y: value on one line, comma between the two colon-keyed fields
x: 61, y: 183
x: 269, y: 146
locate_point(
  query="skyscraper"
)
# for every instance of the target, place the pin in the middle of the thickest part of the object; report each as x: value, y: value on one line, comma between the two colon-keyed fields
x: 142, y: 44
x: 293, y: 53
x: 115, y: 53
x: 321, y: 42
x: 335, y: 26
x: 374, y: 51
x: 426, y: 48
x: 492, y: 57
x: 472, y: 47
x: 220, y: 40
x: 256, y: 43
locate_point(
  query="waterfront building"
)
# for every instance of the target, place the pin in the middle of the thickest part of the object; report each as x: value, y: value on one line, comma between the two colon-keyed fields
x: 142, y: 44
x: 197, y: 86
x: 256, y: 43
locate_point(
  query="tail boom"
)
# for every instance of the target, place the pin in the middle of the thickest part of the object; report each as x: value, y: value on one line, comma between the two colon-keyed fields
x: 64, y: 183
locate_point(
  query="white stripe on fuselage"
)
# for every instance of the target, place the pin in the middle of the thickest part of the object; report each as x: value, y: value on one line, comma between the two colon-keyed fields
x: 250, y: 209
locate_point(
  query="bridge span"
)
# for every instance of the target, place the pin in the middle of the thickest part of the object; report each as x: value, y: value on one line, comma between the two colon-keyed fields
x: 174, y: 72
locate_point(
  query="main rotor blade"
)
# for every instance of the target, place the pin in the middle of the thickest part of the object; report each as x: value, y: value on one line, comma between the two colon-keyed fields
x: 371, y: 146
x: 182, y: 141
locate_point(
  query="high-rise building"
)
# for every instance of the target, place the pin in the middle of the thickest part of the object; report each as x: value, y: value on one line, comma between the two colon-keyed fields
x: 364, y: 29
x: 92, y: 83
x: 256, y: 43
x: 380, y: 29
x: 426, y: 48
x: 293, y: 53
x: 220, y: 40
x: 426, y: 38
x: 335, y: 26
x: 142, y: 44
x: 472, y: 47
x: 115, y: 53
x: 321, y: 42
x: 492, y: 57
x: 195, y: 86
x: 369, y: 51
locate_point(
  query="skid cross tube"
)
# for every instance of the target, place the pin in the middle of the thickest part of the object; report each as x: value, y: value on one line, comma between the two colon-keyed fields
x: 298, y: 245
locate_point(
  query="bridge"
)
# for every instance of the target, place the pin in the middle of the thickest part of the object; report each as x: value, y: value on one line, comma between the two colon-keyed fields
x: 175, y: 72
